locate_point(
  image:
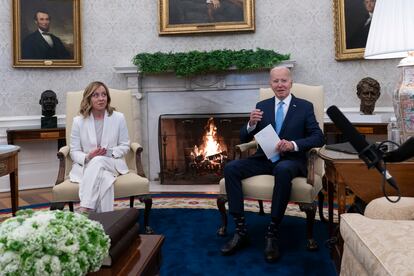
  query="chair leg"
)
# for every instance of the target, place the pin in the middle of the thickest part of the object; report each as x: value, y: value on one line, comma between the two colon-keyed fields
x: 321, y: 200
x: 147, y: 199
x: 131, y: 201
x: 261, y: 209
x: 71, y: 206
x: 57, y: 206
x: 310, y: 210
x: 221, y: 205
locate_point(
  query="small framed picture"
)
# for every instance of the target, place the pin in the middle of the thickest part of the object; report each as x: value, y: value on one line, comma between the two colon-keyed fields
x: 205, y: 16
x: 46, y: 33
x: 352, y: 23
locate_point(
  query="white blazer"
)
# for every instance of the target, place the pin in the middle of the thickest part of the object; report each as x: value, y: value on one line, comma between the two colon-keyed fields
x: 83, y: 140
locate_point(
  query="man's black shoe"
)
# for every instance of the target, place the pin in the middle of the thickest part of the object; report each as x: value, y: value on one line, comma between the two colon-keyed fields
x: 271, y: 251
x: 237, y: 242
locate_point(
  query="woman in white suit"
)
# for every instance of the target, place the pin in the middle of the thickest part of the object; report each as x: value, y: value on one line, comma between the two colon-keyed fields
x: 99, y: 141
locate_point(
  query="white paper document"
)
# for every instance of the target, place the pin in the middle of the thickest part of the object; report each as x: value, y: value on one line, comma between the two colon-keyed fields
x: 268, y: 139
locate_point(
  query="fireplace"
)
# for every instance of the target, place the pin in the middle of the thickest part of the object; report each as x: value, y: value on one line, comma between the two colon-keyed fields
x: 194, y: 148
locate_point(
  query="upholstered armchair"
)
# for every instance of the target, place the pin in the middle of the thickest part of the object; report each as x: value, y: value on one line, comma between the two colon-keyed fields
x: 134, y: 184
x: 381, y: 241
x: 304, y: 189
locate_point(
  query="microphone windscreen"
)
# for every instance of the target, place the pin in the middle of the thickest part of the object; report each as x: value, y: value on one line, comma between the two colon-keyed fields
x: 404, y: 152
x: 345, y: 126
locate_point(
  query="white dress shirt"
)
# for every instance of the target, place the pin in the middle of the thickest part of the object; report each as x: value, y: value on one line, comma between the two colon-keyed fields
x: 48, y: 38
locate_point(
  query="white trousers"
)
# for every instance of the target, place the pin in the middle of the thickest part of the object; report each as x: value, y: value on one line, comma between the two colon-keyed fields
x: 96, y: 189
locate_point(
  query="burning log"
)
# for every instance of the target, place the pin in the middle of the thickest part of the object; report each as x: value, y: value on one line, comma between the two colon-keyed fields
x: 217, y: 155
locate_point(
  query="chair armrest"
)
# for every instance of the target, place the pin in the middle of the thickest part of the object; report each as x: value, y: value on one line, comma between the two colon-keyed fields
x: 315, y: 165
x: 64, y: 150
x: 241, y: 148
x: 137, y: 150
x: 135, y: 146
x: 62, y: 155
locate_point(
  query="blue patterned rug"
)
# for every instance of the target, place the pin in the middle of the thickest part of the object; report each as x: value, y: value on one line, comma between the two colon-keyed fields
x: 192, y: 247
x: 189, y: 223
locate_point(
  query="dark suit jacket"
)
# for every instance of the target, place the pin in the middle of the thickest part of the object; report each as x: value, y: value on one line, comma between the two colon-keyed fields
x: 359, y: 38
x: 299, y: 125
x: 34, y: 46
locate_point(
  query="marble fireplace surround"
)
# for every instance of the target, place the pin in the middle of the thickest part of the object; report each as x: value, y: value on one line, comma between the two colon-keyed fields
x: 165, y: 94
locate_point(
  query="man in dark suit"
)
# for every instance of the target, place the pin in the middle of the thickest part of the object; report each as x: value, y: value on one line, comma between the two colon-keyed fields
x: 358, y: 39
x: 41, y: 44
x: 294, y: 121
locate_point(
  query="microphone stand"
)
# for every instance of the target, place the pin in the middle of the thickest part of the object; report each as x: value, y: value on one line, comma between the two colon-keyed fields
x: 384, y: 178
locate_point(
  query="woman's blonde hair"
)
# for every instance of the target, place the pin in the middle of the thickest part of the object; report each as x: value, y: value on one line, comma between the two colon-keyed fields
x: 86, y: 106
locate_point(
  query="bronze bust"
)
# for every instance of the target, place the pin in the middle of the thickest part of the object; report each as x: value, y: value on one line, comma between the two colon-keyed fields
x: 368, y: 91
x: 48, y: 101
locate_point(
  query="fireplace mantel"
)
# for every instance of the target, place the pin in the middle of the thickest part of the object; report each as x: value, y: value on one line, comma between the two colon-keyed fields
x: 140, y: 83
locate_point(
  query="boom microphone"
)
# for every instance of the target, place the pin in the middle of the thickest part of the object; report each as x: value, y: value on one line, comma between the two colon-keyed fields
x: 404, y: 152
x: 367, y: 152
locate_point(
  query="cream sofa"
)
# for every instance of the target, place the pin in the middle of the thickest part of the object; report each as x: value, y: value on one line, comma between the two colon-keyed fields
x: 380, y: 242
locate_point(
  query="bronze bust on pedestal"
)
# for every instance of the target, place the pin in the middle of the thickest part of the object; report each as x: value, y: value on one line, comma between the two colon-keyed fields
x: 48, y: 101
x: 368, y: 91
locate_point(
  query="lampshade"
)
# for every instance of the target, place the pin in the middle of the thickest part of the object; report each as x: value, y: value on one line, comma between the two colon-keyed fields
x: 391, y: 34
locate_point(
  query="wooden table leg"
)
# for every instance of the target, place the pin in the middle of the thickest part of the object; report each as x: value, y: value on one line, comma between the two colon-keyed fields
x: 341, y: 194
x: 330, y: 207
x: 14, y: 191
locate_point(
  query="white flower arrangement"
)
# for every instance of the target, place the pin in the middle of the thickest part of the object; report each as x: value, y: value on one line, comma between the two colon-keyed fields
x: 51, y: 243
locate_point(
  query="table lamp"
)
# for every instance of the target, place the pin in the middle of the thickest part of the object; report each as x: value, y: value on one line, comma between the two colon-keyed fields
x: 391, y: 35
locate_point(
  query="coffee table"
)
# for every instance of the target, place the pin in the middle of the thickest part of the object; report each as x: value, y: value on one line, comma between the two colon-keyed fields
x: 142, y: 258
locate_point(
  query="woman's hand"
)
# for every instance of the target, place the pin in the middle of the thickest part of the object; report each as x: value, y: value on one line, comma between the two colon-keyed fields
x: 96, y: 152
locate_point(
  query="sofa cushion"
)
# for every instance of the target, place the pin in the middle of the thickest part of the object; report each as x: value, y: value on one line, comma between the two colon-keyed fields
x: 381, y: 208
x: 383, y: 247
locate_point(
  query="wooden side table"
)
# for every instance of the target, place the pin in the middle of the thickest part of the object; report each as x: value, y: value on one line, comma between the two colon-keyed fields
x: 9, y: 166
x: 347, y: 170
x: 334, y: 135
x: 142, y: 258
x: 37, y: 134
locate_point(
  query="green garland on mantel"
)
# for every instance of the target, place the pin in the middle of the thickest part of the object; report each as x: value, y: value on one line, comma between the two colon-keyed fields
x: 196, y: 62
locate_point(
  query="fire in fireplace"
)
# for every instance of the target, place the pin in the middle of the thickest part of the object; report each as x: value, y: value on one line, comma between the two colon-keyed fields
x: 195, y: 148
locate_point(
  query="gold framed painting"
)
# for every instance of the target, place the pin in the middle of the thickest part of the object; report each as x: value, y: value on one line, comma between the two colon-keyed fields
x: 205, y: 16
x: 352, y: 21
x: 46, y: 33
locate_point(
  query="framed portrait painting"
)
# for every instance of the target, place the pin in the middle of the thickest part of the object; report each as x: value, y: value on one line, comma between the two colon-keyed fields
x: 46, y: 33
x: 352, y: 23
x: 205, y: 16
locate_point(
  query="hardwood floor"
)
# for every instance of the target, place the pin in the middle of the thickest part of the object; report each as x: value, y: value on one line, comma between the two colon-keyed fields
x: 27, y: 197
